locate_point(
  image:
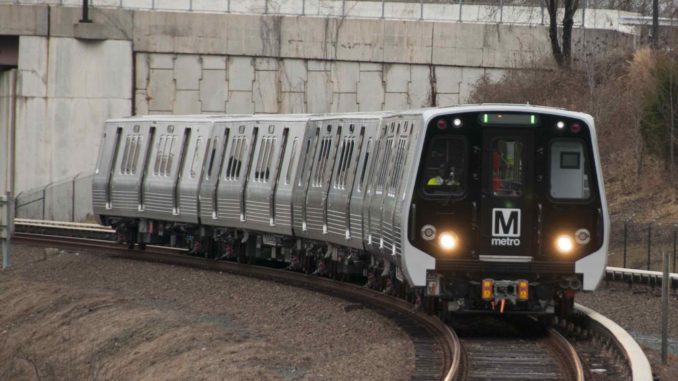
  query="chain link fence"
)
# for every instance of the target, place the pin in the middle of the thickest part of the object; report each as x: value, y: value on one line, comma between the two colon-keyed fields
x: 640, y: 245
x: 66, y: 200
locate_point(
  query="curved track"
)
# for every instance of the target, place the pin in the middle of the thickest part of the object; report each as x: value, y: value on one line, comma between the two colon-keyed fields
x: 514, y: 348
x: 437, y: 348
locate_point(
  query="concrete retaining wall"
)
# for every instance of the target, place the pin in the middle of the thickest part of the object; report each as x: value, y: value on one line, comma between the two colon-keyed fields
x: 72, y: 76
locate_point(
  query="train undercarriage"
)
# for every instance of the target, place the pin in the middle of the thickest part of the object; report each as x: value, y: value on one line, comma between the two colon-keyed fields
x: 445, y: 294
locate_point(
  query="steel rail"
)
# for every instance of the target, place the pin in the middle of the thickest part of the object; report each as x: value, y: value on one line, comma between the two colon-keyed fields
x: 513, y: 347
x: 621, y: 341
x: 446, y: 341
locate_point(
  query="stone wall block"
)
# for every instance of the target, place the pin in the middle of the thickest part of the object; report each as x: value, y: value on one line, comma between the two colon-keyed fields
x: 370, y: 91
x: 318, y: 92
x: 213, y: 90
x: 446, y: 99
x: 397, y: 77
x: 410, y: 42
x: 293, y: 103
x: 420, y: 86
x: 161, y: 90
x: 187, y: 72
x: 175, y: 5
x: 369, y: 66
x: 469, y: 78
x: 32, y: 78
x: 315, y: 65
x: 210, y: 5
x: 240, y: 102
x: 82, y: 69
x: 360, y: 40
x: 142, y: 66
x: 344, y: 102
x: 293, y: 76
x: 345, y: 76
x: 161, y: 61
x: 213, y: 62
x: 33, y: 141
x: 137, y: 4
x: 270, y: 64
x: 308, y: 37
x: 140, y: 102
x: 396, y: 101
x: 448, y: 79
x: 265, y: 91
x: 187, y: 102
x: 240, y: 73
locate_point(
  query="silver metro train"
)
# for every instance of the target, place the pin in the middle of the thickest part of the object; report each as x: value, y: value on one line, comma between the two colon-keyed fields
x: 470, y: 208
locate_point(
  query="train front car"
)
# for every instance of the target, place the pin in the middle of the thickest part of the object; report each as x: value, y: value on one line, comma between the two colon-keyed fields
x: 509, y: 201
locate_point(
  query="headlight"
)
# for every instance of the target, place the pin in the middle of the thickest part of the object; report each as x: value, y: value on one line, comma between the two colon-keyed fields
x: 564, y: 244
x: 448, y: 241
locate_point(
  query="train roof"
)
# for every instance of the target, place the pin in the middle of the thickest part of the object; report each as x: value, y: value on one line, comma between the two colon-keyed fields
x: 425, y: 113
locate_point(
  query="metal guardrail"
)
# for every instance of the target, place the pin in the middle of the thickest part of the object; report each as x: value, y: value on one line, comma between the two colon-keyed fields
x: 651, y: 278
x: 631, y: 351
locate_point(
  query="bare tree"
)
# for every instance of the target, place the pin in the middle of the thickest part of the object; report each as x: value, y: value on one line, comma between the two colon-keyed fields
x: 561, y: 49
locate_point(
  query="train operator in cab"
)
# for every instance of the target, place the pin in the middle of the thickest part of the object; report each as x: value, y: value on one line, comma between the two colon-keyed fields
x: 446, y: 176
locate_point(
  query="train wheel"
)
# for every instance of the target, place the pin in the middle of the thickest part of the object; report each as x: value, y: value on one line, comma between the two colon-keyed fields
x: 142, y: 246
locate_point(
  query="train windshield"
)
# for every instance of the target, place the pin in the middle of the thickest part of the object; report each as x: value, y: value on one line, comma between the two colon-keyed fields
x: 507, y: 167
x: 570, y: 172
x: 445, y: 166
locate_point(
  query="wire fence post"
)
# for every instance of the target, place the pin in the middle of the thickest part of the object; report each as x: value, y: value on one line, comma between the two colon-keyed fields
x: 674, y: 248
x: 626, y: 231
x: 665, y: 307
x: 44, y: 201
x: 649, y: 243
x: 6, y: 222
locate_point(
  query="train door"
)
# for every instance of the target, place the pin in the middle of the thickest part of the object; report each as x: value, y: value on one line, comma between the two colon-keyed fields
x: 507, y: 205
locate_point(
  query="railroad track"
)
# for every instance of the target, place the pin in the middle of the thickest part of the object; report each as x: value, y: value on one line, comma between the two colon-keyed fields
x: 515, y: 348
x: 437, y: 348
x: 587, y: 346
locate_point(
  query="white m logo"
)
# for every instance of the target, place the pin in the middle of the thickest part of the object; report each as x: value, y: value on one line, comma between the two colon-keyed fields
x: 505, y: 222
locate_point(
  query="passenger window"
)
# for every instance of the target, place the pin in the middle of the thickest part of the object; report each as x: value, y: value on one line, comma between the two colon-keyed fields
x: 367, y: 158
x: 399, y: 159
x: 570, y: 174
x: 196, y: 157
x: 125, y: 155
x: 507, y: 167
x: 212, y: 154
x: 346, y: 154
x: 325, y: 146
x: 235, y: 159
x: 263, y: 168
x: 290, y: 164
x: 445, y: 166
x: 385, y: 163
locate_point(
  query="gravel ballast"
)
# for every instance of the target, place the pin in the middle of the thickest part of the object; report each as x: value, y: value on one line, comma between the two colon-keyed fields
x: 68, y: 315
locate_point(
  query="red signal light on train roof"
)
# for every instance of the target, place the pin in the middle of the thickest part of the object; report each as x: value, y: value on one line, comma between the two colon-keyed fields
x: 575, y: 128
x: 442, y: 124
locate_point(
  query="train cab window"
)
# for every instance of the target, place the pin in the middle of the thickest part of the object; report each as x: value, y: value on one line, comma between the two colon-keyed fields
x: 507, y: 167
x: 570, y: 172
x: 445, y: 166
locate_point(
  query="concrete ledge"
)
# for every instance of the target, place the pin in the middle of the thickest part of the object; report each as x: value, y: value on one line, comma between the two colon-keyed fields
x: 107, y: 24
x: 24, y: 20
x: 640, y: 366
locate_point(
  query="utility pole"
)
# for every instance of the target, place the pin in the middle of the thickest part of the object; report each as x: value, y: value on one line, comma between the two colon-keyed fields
x: 665, y: 307
x: 655, y: 24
